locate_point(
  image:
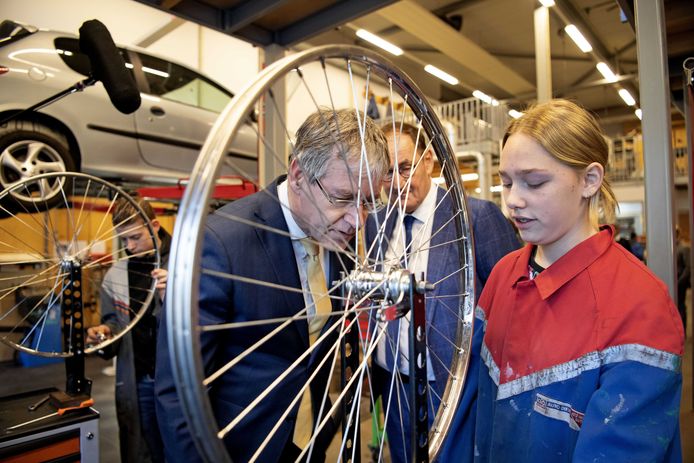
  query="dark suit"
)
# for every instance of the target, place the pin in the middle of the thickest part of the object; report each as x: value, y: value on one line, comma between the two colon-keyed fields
x: 494, y: 237
x: 234, y: 248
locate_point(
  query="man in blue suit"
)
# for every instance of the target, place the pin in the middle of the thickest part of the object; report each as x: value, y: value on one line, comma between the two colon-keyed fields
x: 433, y: 251
x: 322, y: 201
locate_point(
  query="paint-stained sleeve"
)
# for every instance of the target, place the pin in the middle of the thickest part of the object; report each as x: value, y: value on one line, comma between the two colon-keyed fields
x: 634, y: 415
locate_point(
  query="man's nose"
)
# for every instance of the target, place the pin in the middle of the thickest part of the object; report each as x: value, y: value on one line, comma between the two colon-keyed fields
x: 355, y: 215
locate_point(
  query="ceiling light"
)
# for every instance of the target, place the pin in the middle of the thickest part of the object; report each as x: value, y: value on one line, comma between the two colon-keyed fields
x: 470, y: 177
x: 379, y: 42
x: 514, y: 114
x: 638, y: 113
x: 441, y: 74
x: 547, y: 3
x: 626, y: 96
x: 606, y: 72
x: 482, y: 96
x: 578, y: 38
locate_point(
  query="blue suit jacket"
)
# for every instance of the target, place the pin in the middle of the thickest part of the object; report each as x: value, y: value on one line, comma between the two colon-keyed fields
x: 232, y: 247
x: 493, y: 236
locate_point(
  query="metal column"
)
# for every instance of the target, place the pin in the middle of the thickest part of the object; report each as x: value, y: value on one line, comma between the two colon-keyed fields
x: 543, y: 58
x: 657, y: 145
x: 272, y: 152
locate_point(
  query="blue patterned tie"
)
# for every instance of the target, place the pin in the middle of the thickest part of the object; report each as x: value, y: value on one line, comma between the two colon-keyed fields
x: 394, y: 325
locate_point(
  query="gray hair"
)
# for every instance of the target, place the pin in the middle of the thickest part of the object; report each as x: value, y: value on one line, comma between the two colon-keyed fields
x: 329, y: 133
x: 403, y: 128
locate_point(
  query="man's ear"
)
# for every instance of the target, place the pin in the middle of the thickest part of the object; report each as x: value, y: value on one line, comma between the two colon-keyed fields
x: 155, y: 225
x: 593, y: 176
x: 428, y: 161
x: 295, y: 176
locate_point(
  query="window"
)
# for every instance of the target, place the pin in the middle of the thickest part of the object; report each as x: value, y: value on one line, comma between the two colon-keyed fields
x: 69, y: 51
x: 177, y: 83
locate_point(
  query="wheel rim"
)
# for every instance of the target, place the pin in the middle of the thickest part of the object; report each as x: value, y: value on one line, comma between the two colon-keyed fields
x: 25, y: 159
x: 76, y: 232
x: 186, y: 265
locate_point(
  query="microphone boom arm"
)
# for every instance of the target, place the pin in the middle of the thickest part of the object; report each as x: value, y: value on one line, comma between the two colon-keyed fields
x: 77, y: 87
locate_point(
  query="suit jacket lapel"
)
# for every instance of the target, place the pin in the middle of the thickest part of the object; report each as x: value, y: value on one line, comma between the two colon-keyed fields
x: 443, y: 261
x: 280, y: 254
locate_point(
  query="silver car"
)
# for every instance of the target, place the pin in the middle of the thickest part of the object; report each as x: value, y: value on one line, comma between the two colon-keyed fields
x: 84, y: 132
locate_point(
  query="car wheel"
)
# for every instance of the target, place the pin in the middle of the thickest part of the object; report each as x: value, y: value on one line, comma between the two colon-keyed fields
x: 27, y: 149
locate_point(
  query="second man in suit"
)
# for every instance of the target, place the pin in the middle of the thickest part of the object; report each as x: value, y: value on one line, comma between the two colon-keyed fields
x: 432, y: 251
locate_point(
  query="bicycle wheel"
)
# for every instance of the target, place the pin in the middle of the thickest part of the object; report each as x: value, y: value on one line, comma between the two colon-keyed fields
x: 54, y: 256
x: 366, y: 291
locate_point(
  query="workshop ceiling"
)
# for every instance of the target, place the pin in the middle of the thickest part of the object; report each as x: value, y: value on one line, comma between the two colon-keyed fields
x: 488, y: 45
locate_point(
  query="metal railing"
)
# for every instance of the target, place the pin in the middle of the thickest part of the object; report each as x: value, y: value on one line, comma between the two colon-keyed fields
x: 472, y: 123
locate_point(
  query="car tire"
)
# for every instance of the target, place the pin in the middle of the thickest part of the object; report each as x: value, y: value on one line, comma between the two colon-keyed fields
x: 28, y: 148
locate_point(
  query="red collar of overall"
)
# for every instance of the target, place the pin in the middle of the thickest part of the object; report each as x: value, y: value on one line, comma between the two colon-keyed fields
x: 567, y: 266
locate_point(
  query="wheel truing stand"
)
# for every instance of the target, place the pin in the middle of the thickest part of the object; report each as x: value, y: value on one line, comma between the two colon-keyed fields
x: 399, y: 289
x: 78, y: 387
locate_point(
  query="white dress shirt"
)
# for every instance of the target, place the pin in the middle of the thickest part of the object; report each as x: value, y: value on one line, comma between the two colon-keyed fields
x: 297, y: 234
x: 417, y: 264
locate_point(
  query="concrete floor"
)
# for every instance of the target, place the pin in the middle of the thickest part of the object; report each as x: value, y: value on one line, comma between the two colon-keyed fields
x: 20, y: 379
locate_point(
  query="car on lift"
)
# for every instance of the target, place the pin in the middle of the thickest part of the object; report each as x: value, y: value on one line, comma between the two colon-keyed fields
x: 158, y: 143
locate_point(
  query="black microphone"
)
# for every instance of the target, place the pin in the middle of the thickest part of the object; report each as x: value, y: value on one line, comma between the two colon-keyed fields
x: 108, y: 66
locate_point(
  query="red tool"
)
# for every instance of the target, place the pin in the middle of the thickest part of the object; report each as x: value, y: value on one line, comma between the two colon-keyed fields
x: 61, y: 411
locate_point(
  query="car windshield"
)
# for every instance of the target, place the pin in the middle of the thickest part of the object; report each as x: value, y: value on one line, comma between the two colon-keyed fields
x: 11, y: 31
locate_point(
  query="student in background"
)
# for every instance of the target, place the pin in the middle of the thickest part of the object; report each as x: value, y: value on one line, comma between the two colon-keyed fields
x: 123, y: 290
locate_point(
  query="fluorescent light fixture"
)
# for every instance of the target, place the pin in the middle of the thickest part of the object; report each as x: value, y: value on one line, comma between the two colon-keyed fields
x: 482, y: 96
x: 626, y: 96
x: 547, y: 3
x: 496, y: 189
x: 441, y: 74
x: 471, y: 177
x: 606, y: 72
x: 578, y: 38
x: 638, y: 113
x: 379, y: 42
x: 514, y: 114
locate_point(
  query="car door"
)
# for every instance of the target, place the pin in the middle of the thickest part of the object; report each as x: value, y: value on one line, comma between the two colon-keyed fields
x: 177, y: 113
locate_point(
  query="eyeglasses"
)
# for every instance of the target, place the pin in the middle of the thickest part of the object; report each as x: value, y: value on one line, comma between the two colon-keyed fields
x: 371, y: 205
x: 404, y: 171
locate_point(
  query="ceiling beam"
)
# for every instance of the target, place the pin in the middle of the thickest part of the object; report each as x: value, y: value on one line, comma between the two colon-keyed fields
x: 428, y: 28
x: 561, y: 92
x: 568, y: 15
x: 245, y: 13
x: 327, y: 18
x: 164, y: 30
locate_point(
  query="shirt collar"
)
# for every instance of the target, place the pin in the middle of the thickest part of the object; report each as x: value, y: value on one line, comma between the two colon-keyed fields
x: 295, y: 232
x: 567, y: 266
